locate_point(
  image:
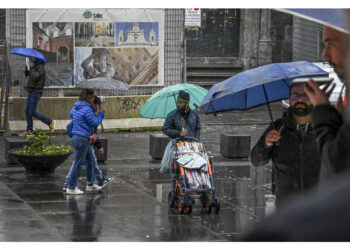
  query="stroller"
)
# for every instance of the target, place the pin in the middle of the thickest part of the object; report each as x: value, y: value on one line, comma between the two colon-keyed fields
x: 192, y: 176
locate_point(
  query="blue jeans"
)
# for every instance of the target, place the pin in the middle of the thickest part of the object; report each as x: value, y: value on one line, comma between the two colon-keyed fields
x: 32, y: 102
x: 97, y: 171
x: 82, y: 153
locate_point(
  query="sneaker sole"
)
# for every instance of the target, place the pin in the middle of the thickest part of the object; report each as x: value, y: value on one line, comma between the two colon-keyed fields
x: 74, y: 193
x: 106, y: 184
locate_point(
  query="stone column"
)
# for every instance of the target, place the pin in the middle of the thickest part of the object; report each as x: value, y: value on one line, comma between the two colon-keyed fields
x: 249, y: 37
x: 89, y: 29
x: 265, y: 45
x: 255, y: 43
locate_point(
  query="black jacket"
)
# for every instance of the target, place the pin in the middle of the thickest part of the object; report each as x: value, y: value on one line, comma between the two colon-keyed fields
x: 98, y: 143
x: 173, y: 125
x: 321, y: 215
x: 333, y: 137
x: 295, y: 159
x: 37, y: 77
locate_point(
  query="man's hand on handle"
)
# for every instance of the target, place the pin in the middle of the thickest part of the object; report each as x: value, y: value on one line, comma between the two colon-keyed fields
x: 272, y: 137
x: 183, y: 133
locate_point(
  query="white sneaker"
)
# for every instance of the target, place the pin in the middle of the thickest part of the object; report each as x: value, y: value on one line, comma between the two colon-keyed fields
x: 93, y: 187
x: 74, y: 191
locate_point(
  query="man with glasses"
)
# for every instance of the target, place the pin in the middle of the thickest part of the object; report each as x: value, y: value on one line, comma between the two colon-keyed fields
x: 291, y: 144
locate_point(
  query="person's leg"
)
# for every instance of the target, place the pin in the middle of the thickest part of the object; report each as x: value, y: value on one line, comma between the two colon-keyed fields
x: 90, y: 167
x: 65, y: 184
x: 101, y: 180
x: 97, y: 170
x: 29, y: 112
x: 81, y: 146
x: 90, y: 172
x: 36, y: 114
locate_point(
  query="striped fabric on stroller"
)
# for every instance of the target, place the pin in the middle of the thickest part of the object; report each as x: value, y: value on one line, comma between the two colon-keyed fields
x: 192, y: 176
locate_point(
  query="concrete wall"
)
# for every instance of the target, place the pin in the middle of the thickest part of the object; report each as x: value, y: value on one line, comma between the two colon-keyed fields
x: 122, y: 113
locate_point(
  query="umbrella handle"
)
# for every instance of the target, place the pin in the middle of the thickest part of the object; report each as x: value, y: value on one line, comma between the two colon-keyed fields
x: 268, y: 106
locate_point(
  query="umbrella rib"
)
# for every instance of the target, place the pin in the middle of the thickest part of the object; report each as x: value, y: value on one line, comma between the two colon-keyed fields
x: 194, y: 89
x: 154, y: 113
x: 166, y: 103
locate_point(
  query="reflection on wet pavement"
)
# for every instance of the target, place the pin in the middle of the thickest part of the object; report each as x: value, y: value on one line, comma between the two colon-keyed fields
x: 133, y: 207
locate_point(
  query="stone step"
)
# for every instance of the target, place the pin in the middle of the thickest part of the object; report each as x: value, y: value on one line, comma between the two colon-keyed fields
x: 210, y: 74
x: 213, y: 66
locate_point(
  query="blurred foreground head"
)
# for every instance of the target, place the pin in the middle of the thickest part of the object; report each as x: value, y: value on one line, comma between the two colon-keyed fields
x: 334, y: 52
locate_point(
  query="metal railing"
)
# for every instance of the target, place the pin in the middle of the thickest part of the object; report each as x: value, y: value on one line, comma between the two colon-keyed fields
x: 5, y: 80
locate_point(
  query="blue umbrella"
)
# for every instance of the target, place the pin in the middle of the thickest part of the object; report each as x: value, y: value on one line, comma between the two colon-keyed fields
x: 338, y: 19
x: 28, y: 52
x: 257, y: 86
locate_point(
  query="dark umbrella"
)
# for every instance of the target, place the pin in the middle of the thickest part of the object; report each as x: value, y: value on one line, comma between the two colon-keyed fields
x: 28, y: 52
x: 257, y: 86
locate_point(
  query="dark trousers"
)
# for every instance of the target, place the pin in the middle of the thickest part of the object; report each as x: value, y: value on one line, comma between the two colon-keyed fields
x: 32, y: 102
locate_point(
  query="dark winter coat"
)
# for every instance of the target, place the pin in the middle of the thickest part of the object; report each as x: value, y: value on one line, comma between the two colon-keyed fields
x: 172, y: 125
x: 84, y: 119
x: 333, y: 137
x: 321, y: 215
x: 36, y: 77
x: 295, y: 159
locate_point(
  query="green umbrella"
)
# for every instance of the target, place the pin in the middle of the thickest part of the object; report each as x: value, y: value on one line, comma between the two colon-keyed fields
x: 164, y: 101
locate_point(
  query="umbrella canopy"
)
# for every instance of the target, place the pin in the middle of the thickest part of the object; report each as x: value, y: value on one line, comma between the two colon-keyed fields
x: 338, y: 19
x: 257, y: 86
x: 28, y: 52
x: 164, y: 101
x: 102, y: 83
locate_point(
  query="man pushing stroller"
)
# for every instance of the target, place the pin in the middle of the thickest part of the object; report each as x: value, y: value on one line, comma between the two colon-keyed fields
x: 182, y: 121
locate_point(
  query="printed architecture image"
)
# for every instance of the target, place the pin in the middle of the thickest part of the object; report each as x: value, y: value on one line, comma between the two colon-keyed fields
x: 136, y: 34
x: 98, y: 34
x: 134, y: 66
x: 138, y: 58
x: 55, y: 42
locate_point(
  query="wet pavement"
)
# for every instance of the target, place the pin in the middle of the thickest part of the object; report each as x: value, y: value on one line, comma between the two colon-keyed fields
x: 134, y: 206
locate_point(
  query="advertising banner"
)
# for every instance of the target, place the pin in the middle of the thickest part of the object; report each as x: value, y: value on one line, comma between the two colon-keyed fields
x: 80, y: 45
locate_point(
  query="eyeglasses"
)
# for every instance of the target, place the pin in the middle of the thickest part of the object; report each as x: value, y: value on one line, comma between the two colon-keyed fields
x: 296, y: 96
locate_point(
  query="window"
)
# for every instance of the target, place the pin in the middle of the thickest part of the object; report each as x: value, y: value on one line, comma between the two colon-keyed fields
x: 69, y: 32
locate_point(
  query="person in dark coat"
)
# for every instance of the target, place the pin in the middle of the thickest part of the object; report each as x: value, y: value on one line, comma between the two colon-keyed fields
x: 182, y: 121
x: 320, y: 215
x: 36, y: 80
x: 291, y: 145
x: 333, y: 134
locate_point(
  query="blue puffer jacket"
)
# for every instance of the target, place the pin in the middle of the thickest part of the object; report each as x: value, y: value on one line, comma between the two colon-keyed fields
x: 84, y: 119
x: 172, y: 125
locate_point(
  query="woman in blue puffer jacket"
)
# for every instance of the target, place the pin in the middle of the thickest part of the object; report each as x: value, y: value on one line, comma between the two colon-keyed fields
x: 84, y: 122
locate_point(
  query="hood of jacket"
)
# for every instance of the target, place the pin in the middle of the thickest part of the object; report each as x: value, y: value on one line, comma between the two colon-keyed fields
x: 78, y: 105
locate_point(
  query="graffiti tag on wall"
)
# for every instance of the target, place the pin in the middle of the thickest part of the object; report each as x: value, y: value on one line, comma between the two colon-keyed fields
x: 130, y: 104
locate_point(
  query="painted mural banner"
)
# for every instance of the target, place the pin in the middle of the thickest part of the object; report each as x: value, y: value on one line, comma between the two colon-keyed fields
x: 121, y: 44
x: 55, y: 42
